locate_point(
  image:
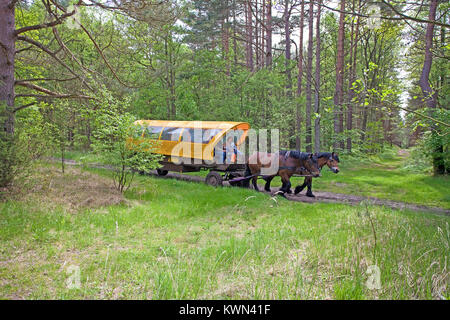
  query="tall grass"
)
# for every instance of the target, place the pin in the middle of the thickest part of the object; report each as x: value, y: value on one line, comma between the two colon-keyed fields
x: 181, y: 240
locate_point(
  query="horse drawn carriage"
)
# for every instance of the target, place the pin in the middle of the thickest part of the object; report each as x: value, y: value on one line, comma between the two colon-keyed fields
x: 191, y: 146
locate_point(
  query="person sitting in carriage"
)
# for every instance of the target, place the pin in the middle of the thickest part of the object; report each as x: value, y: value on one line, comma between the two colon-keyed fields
x: 230, y: 151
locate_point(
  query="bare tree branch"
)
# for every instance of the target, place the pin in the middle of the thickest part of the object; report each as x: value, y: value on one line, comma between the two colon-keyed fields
x: 23, y: 49
x: 401, y: 17
x: 44, y: 90
x: 53, y: 54
x: 105, y: 60
x: 45, y: 25
x: 44, y: 79
x: 12, y: 4
x: 24, y: 106
x: 57, y: 96
x: 68, y: 51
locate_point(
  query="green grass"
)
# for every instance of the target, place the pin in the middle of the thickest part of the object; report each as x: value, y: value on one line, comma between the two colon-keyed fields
x: 175, y: 239
x: 385, y: 179
x: 380, y: 176
x: 88, y: 157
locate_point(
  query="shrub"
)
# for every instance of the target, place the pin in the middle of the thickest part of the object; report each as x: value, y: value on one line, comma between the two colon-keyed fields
x: 114, y: 127
x: 19, y: 150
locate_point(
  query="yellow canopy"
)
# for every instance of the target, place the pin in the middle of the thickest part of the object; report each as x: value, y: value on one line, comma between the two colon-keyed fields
x: 196, y: 124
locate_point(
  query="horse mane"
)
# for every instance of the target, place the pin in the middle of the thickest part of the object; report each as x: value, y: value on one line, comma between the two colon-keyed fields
x: 328, y: 155
x: 296, y: 154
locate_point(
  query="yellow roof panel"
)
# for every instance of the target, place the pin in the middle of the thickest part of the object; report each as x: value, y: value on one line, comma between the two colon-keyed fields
x: 195, y: 124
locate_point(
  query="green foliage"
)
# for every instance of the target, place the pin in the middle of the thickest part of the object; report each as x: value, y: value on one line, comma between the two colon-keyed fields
x: 373, y: 143
x: 424, y: 152
x: 60, y: 121
x: 186, y: 73
x: 114, y: 128
x: 28, y: 143
x: 9, y: 160
x: 421, y: 160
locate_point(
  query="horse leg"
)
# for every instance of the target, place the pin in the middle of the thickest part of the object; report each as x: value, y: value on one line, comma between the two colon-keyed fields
x: 285, y: 187
x: 289, y: 190
x: 309, y: 192
x: 288, y: 186
x: 300, y: 188
x: 268, y: 181
x: 255, y: 183
x: 248, y: 172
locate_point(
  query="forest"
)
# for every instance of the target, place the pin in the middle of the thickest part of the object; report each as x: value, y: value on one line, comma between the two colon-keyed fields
x: 367, y: 80
x: 330, y: 76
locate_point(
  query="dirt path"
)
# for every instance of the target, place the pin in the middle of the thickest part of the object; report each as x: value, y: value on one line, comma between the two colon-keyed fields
x: 403, y: 153
x: 321, y: 196
x: 328, y: 197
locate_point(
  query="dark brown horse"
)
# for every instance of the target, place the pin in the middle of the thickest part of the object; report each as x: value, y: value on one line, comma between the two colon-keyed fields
x: 283, y: 164
x: 323, y: 158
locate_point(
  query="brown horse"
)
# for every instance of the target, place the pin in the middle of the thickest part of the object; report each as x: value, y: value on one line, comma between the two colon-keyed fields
x: 289, y: 162
x: 323, y: 158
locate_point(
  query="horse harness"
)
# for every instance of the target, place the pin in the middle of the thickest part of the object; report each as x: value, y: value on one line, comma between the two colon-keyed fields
x: 286, y: 156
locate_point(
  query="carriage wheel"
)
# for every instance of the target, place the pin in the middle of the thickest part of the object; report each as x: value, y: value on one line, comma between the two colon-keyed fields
x: 214, y: 179
x: 162, y: 173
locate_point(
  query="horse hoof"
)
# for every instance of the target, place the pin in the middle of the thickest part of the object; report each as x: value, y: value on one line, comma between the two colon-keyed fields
x: 298, y: 190
x: 310, y: 195
x: 289, y: 191
x: 280, y: 193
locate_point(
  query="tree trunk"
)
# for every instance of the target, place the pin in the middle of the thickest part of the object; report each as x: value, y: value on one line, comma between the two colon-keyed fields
x: 234, y: 35
x: 226, y: 38
x: 429, y: 95
x: 300, y: 77
x: 256, y: 30
x: 249, y: 44
x: 364, y: 122
x: 7, y: 53
x: 443, y: 43
x: 287, y: 39
x: 424, y: 82
x: 338, y: 93
x: 269, y: 34
x: 287, y: 31
x: 309, y: 78
x: 317, y: 91
x: 352, y: 76
x: 263, y: 45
